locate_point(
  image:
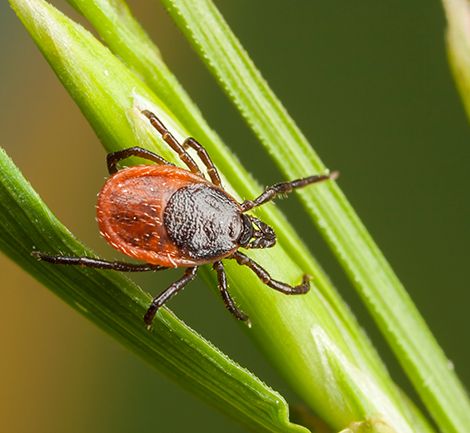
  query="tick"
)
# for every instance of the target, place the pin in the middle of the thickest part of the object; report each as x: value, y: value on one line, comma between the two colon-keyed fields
x: 170, y: 217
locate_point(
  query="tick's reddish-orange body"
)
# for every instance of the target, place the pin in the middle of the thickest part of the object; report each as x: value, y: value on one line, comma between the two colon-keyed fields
x: 131, y: 214
x: 169, y: 217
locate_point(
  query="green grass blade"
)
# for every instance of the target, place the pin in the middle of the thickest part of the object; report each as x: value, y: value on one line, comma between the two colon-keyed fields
x: 312, y: 339
x: 117, y: 305
x: 122, y: 33
x: 458, y: 45
x: 386, y: 298
x: 117, y: 27
x: 112, y: 301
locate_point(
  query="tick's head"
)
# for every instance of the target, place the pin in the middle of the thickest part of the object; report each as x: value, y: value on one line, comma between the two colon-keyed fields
x: 256, y: 233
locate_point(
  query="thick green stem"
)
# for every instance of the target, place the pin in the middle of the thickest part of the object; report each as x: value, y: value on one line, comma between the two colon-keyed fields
x: 313, y: 339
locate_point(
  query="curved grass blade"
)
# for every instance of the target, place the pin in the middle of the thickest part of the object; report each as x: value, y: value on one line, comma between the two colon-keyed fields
x: 123, y: 34
x: 117, y: 305
x: 390, y: 305
x: 111, y: 97
x: 458, y: 45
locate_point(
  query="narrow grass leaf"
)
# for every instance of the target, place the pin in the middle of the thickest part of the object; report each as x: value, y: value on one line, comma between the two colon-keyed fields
x: 117, y: 305
x: 116, y: 26
x: 458, y: 45
x: 390, y: 305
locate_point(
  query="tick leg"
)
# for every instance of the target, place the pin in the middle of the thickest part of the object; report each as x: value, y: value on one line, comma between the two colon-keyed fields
x: 264, y: 276
x: 205, y: 158
x: 89, y: 262
x: 163, y: 297
x: 284, y: 188
x: 228, y: 301
x: 173, y: 142
x: 113, y: 158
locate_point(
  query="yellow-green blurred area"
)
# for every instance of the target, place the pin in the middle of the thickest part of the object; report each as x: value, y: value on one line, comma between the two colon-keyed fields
x: 367, y: 82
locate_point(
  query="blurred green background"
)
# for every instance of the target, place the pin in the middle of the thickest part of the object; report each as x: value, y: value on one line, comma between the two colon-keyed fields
x: 367, y: 82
